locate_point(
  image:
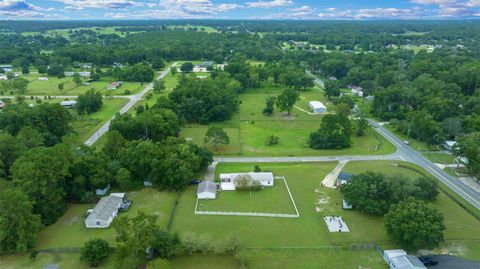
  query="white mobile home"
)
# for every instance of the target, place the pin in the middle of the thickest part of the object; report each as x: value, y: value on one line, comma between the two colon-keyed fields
x: 68, y: 104
x: 105, y: 211
x: 317, y: 107
x: 399, y: 259
x: 227, y: 181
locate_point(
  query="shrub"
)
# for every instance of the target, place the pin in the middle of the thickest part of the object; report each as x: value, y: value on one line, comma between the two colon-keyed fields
x: 272, y: 140
x: 94, y: 251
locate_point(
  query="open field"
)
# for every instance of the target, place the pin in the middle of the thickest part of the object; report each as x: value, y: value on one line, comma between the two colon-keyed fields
x: 439, y: 157
x: 267, y: 200
x: 85, y: 126
x: 200, y: 28
x: 253, y: 129
x: 50, y: 87
x: 65, y: 32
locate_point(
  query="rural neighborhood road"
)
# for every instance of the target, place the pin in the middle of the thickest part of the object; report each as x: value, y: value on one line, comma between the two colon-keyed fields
x: 403, y: 153
x: 133, y: 99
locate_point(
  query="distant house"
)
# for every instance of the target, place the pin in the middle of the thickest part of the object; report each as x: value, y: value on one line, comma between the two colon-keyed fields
x: 2, y: 104
x: 206, y: 64
x: 221, y: 66
x: 114, y: 85
x: 43, y: 78
x: 370, y: 98
x: 346, y: 204
x: 356, y: 90
x: 117, y: 65
x: 3, y: 77
x: 207, y: 190
x: 6, y: 68
x: 68, y: 104
x: 332, y: 78
x: 399, y: 259
x: 201, y: 77
x: 84, y: 74
x: 87, y: 65
x: 101, y: 192
x: 450, y: 145
x: 317, y: 107
x: 227, y: 181
x: 105, y: 211
x: 68, y: 73
x: 147, y: 183
x: 344, y: 178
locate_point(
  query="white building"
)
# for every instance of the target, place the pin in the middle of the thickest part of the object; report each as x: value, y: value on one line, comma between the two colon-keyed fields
x: 450, y: 145
x: 399, y: 259
x: 6, y: 68
x: 317, y: 107
x: 357, y: 91
x: 227, y: 181
x: 43, y: 78
x: 207, y: 190
x: 105, y: 211
x: 3, y: 77
x: 84, y: 74
x: 68, y: 104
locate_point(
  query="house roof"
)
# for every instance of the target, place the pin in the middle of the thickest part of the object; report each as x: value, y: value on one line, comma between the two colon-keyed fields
x: 105, y: 207
x: 345, y: 176
x: 205, y: 64
x: 316, y: 104
x: 407, y: 262
x: 67, y: 103
x: 260, y: 176
x: 207, y: 186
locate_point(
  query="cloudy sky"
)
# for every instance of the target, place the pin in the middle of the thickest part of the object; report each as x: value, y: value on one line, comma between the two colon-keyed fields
x: 235, y: 9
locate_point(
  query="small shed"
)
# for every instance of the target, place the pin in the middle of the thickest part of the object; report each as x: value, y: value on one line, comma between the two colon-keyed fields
x: 207, y: 190
x: 102, y: 192
x: 346, y: 204
x: 147, y: 183
x: 68, y: 104
x: 450, y: 145
x: 317, y: 107
x: 43, y: 78
x: 399, y: 259
x: 2, y: 104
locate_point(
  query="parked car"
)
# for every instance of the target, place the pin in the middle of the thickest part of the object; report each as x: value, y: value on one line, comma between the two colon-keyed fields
x: 427, y: 261
x: 195, y: 182
x: 406, y: 142
x: 126, y: 204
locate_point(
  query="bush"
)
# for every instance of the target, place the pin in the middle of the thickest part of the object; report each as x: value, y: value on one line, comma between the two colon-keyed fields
x: 94, y: 251
x: 257, y: 169
x: 272, y: 140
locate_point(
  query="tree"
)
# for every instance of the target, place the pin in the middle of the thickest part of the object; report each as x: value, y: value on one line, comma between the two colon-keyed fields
x: 89, y: 102
x: 77, y: 79
x: 427, y: 189
x: 158, y: 63
x: 469, y: 146
x: 25, y: 70
x: 415, y: 224
x: 18, y: 225
x: 30, y: 137
x: 124, y: 180
x: 140, y: 72
x: 331, y: 89
x: 61, y: 86
x: 135, y: 235
x: 94, y: 251
x: 216, y: 135
x: 368, y: 192
x: 158, y: 86
x: 272, y: 140
x: 269, y: 103
x: 164, y: 244
x: 56, y: 70
x: 334, y: 133
x: 186, y: 67
x: 287, y: 99
x: 361, y: 126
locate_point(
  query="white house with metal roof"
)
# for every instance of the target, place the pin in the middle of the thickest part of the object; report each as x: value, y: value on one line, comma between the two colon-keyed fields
x: 227, y: 181
x: 317, y: 107
x: 105, y: 211
x: 207, y: 190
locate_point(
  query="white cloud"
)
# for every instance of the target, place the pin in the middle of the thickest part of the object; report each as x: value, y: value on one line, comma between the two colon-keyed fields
x: 269, y: 4
x: 20, y: 9
x: 110, y: 4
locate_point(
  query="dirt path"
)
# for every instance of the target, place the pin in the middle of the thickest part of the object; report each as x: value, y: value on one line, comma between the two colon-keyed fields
x: 330, y: 179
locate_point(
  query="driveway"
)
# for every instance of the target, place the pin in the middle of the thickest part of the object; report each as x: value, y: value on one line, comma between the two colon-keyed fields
x: 452, y: 262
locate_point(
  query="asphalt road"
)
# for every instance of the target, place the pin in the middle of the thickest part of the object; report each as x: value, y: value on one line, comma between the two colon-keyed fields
x: 403, y: 153
x: 133, y: 99
x: 413, y: 156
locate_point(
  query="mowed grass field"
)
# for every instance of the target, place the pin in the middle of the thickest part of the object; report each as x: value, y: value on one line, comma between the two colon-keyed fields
x: 50, y: 86
x: 249, y: 129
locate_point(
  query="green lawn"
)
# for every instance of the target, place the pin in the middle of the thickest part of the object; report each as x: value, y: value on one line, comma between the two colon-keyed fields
x: 50, y: 87
x: 439, y: 157
x: 254, y: 129
x: 268, y: 200
x: 85, y: 126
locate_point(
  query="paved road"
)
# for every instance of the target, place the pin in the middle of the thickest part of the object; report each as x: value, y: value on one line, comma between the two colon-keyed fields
x: 316, y: 80
x: 133, y: 100
x: 413, y: 156
x: 403, y: 153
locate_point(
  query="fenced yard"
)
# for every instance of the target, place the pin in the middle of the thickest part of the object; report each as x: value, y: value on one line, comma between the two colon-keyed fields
x: 276, y: 202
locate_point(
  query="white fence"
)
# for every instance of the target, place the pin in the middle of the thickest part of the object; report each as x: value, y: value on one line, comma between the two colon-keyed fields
x: 253, y: 214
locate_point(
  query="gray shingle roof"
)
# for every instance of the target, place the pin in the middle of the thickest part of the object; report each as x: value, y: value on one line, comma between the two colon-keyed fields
x: 105, y: 208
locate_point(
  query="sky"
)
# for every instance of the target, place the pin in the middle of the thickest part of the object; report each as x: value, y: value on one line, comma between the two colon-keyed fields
x: 235, y: 9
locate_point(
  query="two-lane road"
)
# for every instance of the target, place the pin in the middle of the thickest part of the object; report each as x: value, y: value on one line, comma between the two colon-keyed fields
x: 133, y: 99
x: 413, y: 156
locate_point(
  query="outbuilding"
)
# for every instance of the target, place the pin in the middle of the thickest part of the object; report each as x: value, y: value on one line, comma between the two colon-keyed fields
x: 344, y: 178
x: 6, y: 68
x: 317, y: 107
x: 68, y: 104
x: 105, y: 211
x: 399, y: 259
x: 207, y: 190
x: 450, y: 145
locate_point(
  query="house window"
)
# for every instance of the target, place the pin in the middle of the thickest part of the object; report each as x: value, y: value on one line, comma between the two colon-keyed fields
x: 98, y: 223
